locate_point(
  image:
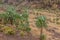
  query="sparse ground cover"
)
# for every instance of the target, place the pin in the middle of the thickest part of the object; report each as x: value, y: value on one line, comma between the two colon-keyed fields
x: 25, y: 28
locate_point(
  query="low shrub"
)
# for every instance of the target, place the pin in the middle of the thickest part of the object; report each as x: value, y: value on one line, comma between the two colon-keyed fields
x: 22, y: 33
x: 43, y: 37
x: 28, y: 29
x: 8, y: 30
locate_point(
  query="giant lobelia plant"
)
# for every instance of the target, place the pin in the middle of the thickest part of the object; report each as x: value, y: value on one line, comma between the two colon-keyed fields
x: 41, y: 23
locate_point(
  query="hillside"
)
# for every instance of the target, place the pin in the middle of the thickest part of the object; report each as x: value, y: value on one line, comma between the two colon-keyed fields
x: 53, y: 29
x: 52, y: 32
x: 52, y: 15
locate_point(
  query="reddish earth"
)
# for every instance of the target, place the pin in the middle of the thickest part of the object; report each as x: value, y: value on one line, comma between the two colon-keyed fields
x: 17, y: 37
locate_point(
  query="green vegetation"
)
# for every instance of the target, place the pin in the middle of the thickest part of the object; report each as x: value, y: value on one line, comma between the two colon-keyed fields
x: 43, y: 37
x: 11, y: 17
x: 41, y: 23
x: 24, y: 23
x: 15, y: 19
